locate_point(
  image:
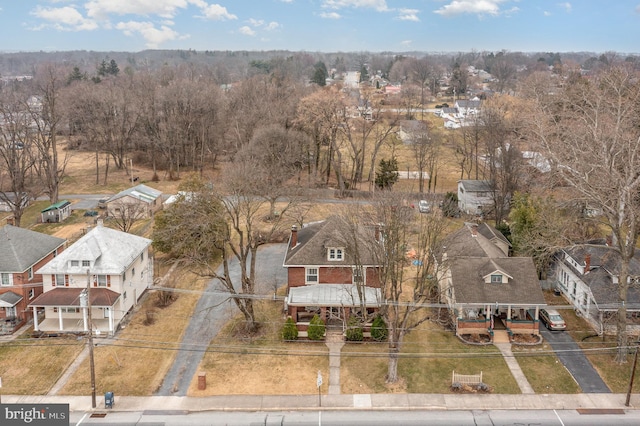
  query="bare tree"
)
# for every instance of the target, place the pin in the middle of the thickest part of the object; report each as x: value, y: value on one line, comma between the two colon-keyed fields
x: 125, y: 214
x: 590, y: 131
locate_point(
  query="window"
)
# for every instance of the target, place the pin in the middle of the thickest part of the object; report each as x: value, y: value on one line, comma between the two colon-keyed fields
x: 32, y: 293
x: 124, y: 276
x: 496, y: 278
x: 141, y: 256
x: 75, y: 263
x: 30, y: 273
x: 6, y: 279
x: 101, y: 280
x: 335, y: 254
x: 86, y: 263
x: 311, y: 275
x: 133, y: 272
x: 358, y: 275
x: 59, y: 280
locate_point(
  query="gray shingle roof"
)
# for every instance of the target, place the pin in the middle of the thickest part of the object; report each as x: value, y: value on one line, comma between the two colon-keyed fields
x: 463, y: 243
x: 476, y: 185
x: 111, y: 250
x: 20, y: 248
x: 523, y: 289
x: 315, y: 238
x: 605, y: 263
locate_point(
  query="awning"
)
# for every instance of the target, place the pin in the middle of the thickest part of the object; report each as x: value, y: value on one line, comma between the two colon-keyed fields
x: 334, y: 295
x: 70, y: 296
x: 9, y: 299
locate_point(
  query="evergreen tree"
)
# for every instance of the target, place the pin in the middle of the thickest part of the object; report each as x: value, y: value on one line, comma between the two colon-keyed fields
x: 387, y: 173
x: 320, y: 74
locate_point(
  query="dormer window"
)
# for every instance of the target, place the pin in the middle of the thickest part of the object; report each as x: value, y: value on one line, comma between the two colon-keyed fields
x: 335, y: 253
x: 496, y: 279
x: 86, y: 263
x: 75, y: 263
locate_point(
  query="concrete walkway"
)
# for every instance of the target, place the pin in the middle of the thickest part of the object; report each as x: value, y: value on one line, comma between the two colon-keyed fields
x: 69, y: 371
x: 334, y: 342
x: 516, y: 371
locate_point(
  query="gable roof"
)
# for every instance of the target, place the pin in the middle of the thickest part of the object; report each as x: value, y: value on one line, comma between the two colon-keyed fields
x: 315, y: 238
x: 56, y: 206
x: 110, y: 251
x: 21, y: 248
x: 604, y: 264
x: 475, y: 241
x: 472, y: 185
x: 140, y: 192
x: 467, y: 276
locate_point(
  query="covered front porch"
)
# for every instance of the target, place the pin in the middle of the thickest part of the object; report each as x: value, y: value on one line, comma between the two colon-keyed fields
x: 66, y: 310
x: 333, y: 303
x: 485, y: 318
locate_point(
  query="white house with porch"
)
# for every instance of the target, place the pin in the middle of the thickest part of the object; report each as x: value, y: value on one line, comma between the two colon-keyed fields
x: 107, y: 270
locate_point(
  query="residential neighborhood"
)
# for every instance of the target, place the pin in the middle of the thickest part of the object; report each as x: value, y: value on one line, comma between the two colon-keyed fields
x: 188, y: 231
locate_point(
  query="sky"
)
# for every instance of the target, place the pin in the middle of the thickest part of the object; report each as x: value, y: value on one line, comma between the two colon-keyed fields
x: 321, y: 25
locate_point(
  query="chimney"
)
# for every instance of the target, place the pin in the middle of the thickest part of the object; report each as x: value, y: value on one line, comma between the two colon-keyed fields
x: 587, y: 262
x: 99, y: 222
x: 294, y: 236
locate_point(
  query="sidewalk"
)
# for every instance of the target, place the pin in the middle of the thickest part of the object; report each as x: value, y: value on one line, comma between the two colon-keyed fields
x: 341, y: 402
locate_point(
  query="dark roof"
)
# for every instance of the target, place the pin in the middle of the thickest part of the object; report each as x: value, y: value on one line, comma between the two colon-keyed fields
x: 9, y: 299
x: 315, y: 238
x: 21, y: 248
x: 463, y: 242
x: 605, y: 264
x: 469, y: 287
x: 472, y: 185
x: 70, y: 296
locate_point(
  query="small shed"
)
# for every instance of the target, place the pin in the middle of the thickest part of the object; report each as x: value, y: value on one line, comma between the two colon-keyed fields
x: 56, y: 212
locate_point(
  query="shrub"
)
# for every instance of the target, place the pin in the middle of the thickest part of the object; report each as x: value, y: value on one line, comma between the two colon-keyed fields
x: 316, y: 328
x: 379, y: 329
x: 289, y: 330
x: 354, y: 330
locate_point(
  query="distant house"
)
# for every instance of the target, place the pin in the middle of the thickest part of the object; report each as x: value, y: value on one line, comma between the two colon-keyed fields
x: 587, y: 276
x: 140, y: 200
x: 9, y: 199
x: 475, y: 196
x: 485, y: 289
x: 22, y: 253
x: 392, y: 89
x: 411, y: 131
x: 107, y: 268
x: 324, y: 277
x: 467, y: 108
x: 56, y: 212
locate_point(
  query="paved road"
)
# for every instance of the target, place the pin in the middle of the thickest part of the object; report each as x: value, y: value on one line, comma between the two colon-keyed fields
x: 212, y: 311
x: 575, y: 361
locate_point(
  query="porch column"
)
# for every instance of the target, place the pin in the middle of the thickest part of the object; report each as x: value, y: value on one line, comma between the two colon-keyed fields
x: 508, y: 312
x: 35, y: 319
x: 537, y: 314
x: 60, y: 323
x: 110, y: 316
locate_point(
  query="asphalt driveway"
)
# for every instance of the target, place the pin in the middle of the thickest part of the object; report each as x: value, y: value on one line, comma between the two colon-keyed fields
x: 212, y: 311
x: 575, y: 361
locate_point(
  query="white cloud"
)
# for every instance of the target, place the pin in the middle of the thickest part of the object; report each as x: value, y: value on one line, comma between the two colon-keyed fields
x: 546, y: 13
x: 64, y: 18
x: 408, y: 15
x: 479, y: 7
x: 255, y: 22
x: 406, y: 42
x: 153, y: 36
x: 566, y: 6
x: 273, y: 25
x: 330, y: 15
x: 215, y: 12
x: 246, y: 30
x: 379, y: 5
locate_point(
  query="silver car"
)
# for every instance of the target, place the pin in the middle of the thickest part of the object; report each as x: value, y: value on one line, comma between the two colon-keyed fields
x: 552, y: 319
x: 424, y: 206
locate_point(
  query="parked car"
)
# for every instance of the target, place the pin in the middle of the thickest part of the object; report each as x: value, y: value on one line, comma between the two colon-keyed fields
x: 424, y: 206
x: 552, y: 319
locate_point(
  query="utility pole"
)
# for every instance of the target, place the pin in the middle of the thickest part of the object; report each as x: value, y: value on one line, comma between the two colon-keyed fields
x: 633, y: 373
x: 90, y: 340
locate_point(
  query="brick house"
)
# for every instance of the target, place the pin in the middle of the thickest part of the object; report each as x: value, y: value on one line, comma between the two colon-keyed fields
x: 325, y: 278
x: 22, y: 253
x: 110, y: 267
x: 486, y: 289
